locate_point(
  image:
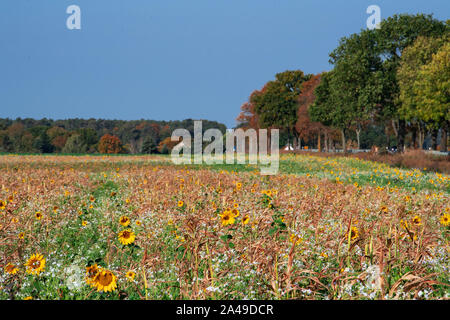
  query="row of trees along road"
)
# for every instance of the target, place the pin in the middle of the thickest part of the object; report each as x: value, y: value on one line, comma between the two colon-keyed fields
x: 392, y: 82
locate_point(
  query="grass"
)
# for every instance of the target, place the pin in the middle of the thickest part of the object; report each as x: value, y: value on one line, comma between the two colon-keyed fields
x: 323, y: 228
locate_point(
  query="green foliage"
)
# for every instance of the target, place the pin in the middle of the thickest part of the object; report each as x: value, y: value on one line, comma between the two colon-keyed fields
x: 432, y: 89
x: 276, y: 105
x: 75, y: 144
x: 27, y: 135
x: 149, y: 146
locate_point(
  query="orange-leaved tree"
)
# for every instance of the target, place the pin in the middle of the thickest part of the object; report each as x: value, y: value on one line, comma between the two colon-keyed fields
x: 110, y: 144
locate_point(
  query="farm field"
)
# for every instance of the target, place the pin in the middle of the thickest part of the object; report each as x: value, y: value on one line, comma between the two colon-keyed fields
x: 139, y: 227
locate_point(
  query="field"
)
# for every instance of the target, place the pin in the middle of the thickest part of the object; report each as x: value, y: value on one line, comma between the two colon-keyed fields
x: 139, y: 227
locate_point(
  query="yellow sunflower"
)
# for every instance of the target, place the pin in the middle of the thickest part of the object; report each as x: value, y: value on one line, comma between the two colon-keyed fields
x: 138, y: 223
x: 124, y: 221
x: 38, y: 215
x: 130, y: 275
x: 105, y: 281
x: 22, y: 235
x: 445, y: 220
x: 126, y: 237
x: 180, y: 203
x: 235, y: 212
x: 245, y: 220
x: 11, y: 268
x: 2, y: 205
x: 354, y: 233
x: 35, y: 264
x: 91, y: 272
x: 227, y: 217
x: 417, y: 221
x: 84, y: 223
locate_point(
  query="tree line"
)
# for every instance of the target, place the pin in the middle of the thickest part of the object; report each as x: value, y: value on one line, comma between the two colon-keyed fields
x: 388, y: 86
x: 80, y: 136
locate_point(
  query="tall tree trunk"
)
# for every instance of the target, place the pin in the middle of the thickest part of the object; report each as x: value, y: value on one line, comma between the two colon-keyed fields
x: 444, y: 135
x: 344, y: 146
x: 434, y: 136
x: 414, y: 137
x: 358, y: 132
x: 319, y: 146
x: 401, y: 135
x: 325, y: 139
x: 421, y: 135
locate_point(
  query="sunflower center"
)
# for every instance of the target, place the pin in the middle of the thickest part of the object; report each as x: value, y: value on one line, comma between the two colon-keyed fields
x: 35, y: 264
x: 105, y: 279
x: 126, y: 234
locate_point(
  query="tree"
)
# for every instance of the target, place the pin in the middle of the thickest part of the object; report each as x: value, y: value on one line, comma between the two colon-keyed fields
x: 149, y: 145
x: 42, y: 143
x: 167, y: 145
x: 276, y: 104
x: 75, y: 144
x: 432, y: 89
x: 304, y: 125
x: 248, y: 118
x: 349, y: 95
x: 394, y: 35
x: 413, y: 59
x: 110, y: 144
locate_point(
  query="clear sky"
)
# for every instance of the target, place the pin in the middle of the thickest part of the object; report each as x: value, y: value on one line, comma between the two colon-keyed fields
x: 167, y: 59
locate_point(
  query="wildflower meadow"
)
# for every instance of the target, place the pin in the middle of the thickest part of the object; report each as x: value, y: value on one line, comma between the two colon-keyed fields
x: 140, y: 227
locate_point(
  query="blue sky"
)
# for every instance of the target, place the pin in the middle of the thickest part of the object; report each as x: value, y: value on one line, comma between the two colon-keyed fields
x: 167, y: 59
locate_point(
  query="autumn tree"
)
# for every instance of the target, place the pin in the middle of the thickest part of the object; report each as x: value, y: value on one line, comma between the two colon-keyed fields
x: 110, y: 144
x: 276, y: 104
x: 305, y: 127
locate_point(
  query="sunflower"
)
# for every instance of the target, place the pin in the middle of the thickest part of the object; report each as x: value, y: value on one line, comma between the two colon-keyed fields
x: 124, y: 221
x: 11, y: 268
x: 417, y: 221
x: 245, y: 220
x: 354, y: 233
x: 105, y: 281
x: 130, y: 275
x: 91, y: 272
x: 35, y: 264
x: 2, y: 205
x: 126, y: 237
x: 22, y: 235
x: 227, y: 217
x: 445, y: 220
x: 235, y: 212
x: 91, y: 198
x: 138, y: 223
x: 38, y: 215
x: 84, y: 223
x: 295, y: 239
x: 180, y: 203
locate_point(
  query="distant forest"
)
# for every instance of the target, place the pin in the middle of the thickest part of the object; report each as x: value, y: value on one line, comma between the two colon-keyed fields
x: 92, y: 135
